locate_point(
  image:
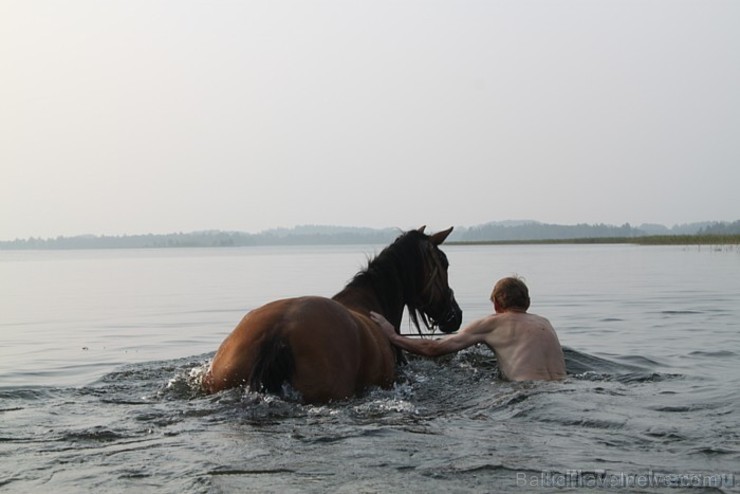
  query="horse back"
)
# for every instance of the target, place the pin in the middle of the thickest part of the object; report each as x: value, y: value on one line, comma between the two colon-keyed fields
x: 317, y: 345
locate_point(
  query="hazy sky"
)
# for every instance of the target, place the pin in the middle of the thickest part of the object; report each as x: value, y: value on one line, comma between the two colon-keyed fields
x: 136, y: 116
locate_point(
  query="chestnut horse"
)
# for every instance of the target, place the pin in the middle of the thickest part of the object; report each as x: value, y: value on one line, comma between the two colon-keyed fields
x: 329, y: 348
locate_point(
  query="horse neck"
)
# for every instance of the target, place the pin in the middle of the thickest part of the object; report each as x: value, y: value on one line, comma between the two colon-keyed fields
x: 388, y: 282
x: 368, y: 293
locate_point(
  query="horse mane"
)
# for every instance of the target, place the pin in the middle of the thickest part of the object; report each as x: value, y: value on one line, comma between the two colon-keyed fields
x: 394, y: 274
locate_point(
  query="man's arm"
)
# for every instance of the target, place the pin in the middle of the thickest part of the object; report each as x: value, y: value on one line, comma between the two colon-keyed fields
x: 431, y: 348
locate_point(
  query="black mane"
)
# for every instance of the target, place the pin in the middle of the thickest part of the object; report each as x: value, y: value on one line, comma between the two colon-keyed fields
x: 393, y: 277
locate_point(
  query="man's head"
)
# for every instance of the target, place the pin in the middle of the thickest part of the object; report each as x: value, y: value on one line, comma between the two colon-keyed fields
x: 510, y: 294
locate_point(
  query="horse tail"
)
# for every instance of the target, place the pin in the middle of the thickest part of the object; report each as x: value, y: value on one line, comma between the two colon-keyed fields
x: 274, y: 366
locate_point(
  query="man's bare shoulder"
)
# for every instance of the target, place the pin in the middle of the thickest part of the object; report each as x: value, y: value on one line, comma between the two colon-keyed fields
x: 483, y: 325
x: 524, y: 317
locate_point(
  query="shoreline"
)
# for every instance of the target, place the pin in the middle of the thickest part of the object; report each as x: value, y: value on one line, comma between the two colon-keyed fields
x: 647, y: 240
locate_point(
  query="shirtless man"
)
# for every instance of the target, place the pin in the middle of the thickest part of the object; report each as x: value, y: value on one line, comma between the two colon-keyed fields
x: 526, y: 346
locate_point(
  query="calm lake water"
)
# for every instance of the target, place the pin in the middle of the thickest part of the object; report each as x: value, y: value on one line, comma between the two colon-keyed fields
x: 101, y: 353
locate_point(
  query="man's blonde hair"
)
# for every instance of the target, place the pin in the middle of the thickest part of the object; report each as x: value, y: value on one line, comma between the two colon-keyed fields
x: 511, y: 293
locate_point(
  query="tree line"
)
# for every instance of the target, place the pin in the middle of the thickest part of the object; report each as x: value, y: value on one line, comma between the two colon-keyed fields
x: 332, y: 235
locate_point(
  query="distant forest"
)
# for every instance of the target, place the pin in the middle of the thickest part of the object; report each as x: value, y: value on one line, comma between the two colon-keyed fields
x: 506, y: 231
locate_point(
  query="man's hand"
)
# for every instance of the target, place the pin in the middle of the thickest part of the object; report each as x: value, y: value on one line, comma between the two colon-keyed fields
x: 385, y: 326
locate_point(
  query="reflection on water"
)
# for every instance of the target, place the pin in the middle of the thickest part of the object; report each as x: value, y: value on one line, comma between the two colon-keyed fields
x: 102, y: 354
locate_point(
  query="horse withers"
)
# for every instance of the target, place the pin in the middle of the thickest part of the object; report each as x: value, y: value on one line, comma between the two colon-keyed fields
x: 329, y: 348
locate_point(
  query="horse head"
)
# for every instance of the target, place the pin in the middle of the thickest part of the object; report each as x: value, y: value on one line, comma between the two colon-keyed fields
x: 435, y: 300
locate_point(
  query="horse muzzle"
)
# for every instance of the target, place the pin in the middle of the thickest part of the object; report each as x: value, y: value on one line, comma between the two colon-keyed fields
x: 451, y: 320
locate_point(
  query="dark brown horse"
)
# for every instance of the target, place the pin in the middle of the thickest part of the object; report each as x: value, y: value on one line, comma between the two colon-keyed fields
x: 329, y: 348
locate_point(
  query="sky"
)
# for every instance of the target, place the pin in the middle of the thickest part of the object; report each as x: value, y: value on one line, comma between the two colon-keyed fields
x: 158, y: 116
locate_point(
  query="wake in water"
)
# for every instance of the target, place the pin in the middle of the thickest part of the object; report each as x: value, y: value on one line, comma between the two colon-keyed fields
x: 625, y: 369
x: 424, y: 388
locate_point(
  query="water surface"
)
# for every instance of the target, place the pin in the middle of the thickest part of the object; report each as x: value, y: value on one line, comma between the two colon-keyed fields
x: 101, y: 353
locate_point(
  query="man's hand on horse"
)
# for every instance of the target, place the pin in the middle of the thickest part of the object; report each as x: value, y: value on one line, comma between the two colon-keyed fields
x: 381, y: 321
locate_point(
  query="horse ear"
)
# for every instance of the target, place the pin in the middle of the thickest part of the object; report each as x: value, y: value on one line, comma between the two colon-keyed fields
x: 440, y: 237
x: 421, y: 229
